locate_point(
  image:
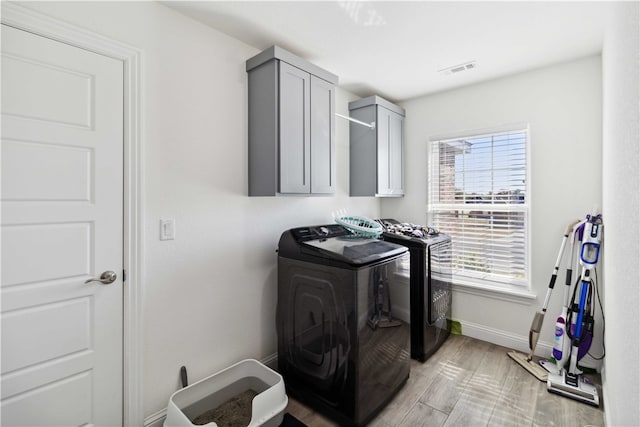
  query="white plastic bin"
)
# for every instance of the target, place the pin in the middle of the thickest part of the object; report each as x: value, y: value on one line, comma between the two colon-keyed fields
x: 267, y: 407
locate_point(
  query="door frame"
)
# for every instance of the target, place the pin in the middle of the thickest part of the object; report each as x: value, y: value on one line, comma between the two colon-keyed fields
x: 37, y: 23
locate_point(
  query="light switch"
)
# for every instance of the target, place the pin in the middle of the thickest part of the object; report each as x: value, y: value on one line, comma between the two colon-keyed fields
x: 167, y: 229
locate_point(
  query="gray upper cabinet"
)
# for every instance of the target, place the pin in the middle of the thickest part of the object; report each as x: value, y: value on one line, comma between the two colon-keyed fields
x: 376, y: 155
x: 291, y: 125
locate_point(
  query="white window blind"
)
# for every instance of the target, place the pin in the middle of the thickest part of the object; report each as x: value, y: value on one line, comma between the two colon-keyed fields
x: 478, y: 195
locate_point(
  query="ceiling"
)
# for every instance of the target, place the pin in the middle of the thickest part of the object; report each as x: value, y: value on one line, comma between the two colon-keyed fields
x: 396, y: 49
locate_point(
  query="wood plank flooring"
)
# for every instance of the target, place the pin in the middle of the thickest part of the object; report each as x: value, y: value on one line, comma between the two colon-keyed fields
x: 472, y: 383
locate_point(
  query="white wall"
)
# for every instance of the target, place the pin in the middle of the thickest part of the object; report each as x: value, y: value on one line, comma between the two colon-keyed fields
x: 209, y: 295
x: 621, y: 201
x: 563, y: 106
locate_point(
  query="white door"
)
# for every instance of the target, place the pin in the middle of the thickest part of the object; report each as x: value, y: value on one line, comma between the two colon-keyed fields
x: 62, y: 224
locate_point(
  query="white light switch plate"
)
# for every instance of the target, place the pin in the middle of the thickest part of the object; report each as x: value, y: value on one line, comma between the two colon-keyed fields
x: 167, y: 229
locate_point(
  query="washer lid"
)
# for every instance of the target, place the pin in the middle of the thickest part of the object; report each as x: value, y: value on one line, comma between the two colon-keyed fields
x: 355, y: 251
x: 333, y: 244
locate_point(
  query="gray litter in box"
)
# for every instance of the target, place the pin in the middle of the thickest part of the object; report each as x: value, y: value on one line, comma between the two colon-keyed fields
x: 235, y: 412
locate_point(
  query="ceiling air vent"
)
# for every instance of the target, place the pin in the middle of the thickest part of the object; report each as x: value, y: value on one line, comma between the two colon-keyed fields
x: 459, y: 68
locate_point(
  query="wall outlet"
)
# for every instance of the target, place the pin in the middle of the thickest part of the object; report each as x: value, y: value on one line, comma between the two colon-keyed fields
x: 167, y: 229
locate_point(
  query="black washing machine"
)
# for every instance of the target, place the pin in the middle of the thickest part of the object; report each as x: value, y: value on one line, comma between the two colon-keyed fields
x: 342, y: 321
x: 430, y: 283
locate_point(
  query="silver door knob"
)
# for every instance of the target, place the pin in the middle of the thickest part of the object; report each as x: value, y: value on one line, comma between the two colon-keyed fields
x: 105, y: 278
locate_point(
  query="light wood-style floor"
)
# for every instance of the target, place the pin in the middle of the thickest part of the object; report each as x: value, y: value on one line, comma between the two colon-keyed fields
x: 468, y: 382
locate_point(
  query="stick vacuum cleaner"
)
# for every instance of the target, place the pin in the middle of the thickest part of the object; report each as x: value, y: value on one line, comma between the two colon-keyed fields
x: 562, y: 342
x: 571, y: 382
x: 526, y: 361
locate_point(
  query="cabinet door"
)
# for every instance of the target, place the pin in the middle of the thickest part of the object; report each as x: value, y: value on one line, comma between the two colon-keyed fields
x: 396, y: 154
x: 294, y: 124
x: 323, y: 156
x: 390, y: 153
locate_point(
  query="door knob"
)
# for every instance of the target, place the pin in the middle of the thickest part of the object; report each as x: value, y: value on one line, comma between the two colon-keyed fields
x: 105, y: 278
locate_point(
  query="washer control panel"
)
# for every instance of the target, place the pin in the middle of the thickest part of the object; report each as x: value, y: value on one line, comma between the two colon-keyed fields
x: 304, y: 234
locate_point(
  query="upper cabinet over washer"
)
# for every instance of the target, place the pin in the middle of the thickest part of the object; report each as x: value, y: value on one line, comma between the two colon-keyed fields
x: 376, y: 156
x: 291, y: 125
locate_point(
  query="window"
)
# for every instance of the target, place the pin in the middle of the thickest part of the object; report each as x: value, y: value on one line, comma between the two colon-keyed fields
x: 478, y: 195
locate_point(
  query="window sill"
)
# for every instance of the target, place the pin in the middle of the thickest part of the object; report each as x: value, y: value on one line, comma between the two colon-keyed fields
x: 524, y: 297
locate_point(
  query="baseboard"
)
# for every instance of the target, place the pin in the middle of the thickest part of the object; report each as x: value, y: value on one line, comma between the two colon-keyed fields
x: 157, y: 419
x: 504, y: 338
x: 516, y: 342
x: 271, y: 361
x: 605, y: 399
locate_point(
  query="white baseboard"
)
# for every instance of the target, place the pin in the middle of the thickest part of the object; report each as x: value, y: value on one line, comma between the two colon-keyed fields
x: 516, y: 342
x: 271, y: 361
x: 157, y: 419
x: 605, y: 399
x: 503, y: 338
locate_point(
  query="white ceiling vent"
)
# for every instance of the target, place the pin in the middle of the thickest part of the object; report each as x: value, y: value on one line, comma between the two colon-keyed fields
x: 459, y: 68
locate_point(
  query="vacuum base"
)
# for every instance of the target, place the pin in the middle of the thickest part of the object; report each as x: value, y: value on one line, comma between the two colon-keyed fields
x: 585, y: 391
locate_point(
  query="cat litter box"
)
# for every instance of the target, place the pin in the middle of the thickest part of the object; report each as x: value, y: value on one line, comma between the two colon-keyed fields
x: 246, y: 394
